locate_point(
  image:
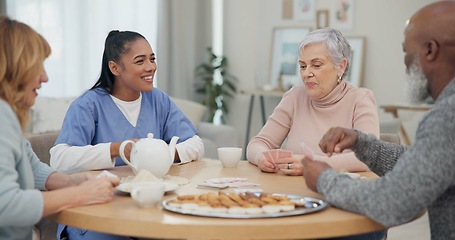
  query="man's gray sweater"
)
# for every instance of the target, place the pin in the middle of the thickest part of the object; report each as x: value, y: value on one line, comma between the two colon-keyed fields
x: 422, y: 176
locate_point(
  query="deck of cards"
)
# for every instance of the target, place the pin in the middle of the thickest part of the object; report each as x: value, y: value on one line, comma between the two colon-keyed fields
x: 221, y: 183
x: 275, y: 154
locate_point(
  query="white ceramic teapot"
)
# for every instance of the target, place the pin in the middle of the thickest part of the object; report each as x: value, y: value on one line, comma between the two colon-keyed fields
x: 150, y: 154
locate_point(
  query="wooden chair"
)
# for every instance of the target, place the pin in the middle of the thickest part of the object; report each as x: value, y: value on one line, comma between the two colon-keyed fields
x: 390, y: 137
x: 390, y: 126
x: 41, y: 144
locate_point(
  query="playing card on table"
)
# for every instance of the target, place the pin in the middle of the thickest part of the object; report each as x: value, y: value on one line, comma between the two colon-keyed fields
x: 307, y: 153
x: 243, y: 184
x: 224, y: 180
x: 221, y: 183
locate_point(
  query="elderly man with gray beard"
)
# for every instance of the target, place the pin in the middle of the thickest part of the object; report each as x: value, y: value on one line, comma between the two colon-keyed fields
x: 421, y: 176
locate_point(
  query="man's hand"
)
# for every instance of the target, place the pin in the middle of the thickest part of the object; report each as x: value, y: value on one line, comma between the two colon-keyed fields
x: 338, y: 139
x: 311, y: 171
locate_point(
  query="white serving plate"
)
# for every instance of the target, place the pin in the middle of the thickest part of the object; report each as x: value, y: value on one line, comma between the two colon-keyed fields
x: 311, y: 205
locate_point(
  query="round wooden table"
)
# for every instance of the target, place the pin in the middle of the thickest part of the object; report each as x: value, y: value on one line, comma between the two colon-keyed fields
x: 123, y: 217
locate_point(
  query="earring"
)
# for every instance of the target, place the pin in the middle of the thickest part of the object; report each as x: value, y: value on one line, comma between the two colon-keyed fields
x: 339, y: 79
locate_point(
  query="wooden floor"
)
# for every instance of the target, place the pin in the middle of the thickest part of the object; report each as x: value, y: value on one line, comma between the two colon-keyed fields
x: 416, y: 230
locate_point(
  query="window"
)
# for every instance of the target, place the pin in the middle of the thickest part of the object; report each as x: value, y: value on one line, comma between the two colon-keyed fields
x: 76, y: 30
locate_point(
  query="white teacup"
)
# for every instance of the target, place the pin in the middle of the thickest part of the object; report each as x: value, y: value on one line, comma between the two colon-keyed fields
x: 229, y: 156
x: 147, y: 194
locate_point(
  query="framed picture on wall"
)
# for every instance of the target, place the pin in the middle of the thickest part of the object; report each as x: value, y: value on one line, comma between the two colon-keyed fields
x: 355, y: 72
x: 284, y: 62
x: 322, y: 18
x: 342, y: 14
x: 304, y: 10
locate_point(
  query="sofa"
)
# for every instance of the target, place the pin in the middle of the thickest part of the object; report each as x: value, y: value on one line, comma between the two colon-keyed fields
x: 48, y: 113
x: 46, y: 120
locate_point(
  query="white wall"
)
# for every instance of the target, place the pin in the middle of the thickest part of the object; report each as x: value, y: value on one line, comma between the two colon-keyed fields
x: 247, y: 45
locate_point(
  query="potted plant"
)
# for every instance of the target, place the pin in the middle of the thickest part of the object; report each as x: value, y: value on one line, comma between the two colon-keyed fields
x: 214, y: 84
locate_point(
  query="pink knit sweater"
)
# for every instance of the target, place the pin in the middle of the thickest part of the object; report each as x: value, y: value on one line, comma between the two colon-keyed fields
x: 300, y: 119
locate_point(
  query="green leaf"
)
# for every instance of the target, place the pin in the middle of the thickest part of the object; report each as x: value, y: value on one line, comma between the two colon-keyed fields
x: 214, y: 94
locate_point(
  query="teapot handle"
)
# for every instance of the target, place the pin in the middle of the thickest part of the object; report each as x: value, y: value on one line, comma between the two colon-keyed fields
x: 122, y: 153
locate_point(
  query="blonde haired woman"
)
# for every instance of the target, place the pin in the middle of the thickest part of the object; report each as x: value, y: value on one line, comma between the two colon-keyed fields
x: 22, y: 175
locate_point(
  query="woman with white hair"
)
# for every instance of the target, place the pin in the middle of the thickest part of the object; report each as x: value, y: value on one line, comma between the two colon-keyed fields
x: 306, y: 112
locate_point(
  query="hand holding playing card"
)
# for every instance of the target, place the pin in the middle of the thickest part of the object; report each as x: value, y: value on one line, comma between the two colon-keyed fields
x: 276, y: 154
x: 266, y: 163
x: 283, y: 154
x: 286, y: 162
x: 270, y: 159
x: 306, y: 151
x: 311, y: 168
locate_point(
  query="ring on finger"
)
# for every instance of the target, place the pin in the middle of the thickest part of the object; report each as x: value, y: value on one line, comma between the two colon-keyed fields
x: 289, y: 165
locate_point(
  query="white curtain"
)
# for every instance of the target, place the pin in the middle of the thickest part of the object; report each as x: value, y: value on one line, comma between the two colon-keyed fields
x: 76, y: 30
x: 179, y: 32
x: 2, y: 7
x: 184, y: 33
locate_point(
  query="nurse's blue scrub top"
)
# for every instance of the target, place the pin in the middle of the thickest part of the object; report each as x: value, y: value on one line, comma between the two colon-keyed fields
x: 94, y: 118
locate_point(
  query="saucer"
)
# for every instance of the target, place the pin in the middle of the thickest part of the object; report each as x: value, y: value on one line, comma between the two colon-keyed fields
x: 126, y: 187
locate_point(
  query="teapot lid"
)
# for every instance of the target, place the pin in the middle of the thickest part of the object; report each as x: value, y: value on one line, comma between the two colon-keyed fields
x: 150, y: 135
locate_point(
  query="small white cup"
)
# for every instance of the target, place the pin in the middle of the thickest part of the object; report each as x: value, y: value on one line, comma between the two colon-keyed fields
x: 147, y: 194
x: 229, y: 156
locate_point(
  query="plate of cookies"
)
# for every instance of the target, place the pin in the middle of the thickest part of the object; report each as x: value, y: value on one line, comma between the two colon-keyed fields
x: 243, y: 205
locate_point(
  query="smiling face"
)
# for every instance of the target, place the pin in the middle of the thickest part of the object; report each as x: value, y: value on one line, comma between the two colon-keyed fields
x: 135, y: 71
x: 317, y: 71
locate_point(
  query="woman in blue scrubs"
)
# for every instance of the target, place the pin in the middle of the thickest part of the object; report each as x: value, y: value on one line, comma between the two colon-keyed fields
x: 123, y: 104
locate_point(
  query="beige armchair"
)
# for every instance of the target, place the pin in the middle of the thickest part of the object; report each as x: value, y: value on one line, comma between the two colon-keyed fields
x: 213, y: 136
x: 41, y: 145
